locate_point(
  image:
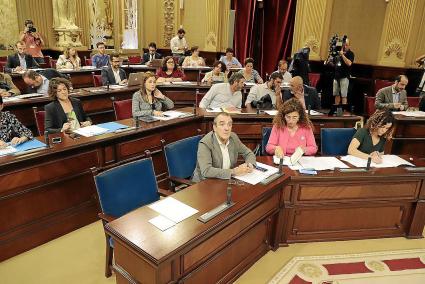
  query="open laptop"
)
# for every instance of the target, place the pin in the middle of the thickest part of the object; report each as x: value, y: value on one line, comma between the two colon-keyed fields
x: 156, y: 63
x: 135, y: 79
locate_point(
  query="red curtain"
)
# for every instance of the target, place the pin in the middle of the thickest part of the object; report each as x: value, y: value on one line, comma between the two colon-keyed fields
x: 264, y: 33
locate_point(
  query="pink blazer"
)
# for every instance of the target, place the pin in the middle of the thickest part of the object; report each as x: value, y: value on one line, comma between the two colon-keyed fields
x: 304, y: 137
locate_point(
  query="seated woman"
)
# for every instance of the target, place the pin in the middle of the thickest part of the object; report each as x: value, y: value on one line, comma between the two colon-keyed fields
x: 7, y: 88
x: 194, y: 60
x: 64, y: 114
x: 11, y: 129
x: 149, y: 100
x: 216, y: 75
x: 68, y: 60
x: 169, y: 71
x: 229, y: 60
x: 369, y: 141
x: 291, y: 129
x: 251, y: 75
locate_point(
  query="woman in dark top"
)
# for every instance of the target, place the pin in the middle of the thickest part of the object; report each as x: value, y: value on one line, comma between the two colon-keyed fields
x: 11, y: 130
x: 64, y: 114
x: 169, y: 71
x: 369, y: 141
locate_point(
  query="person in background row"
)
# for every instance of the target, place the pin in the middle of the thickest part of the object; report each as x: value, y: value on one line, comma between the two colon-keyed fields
x: 69, y: 60
x: 271, y: 88
x: 169, y: 71
x: 225, y: 94
x: 36, y: 82
x: 20, y: 61
x: 11, y: 129
x: 218, y: 152
x: 306, y: 95
x: 7, y: 88
x: 369, y: 141
x: 151, y: 54
x: 149, y: 100
x: 33, y: 41
x: 217, y: 75
x: 283, y: 69
x: 291, y: 129
x: 179, y: 45
x: 193, y: 60
x: 114, y: 75
x: 100, y: 59
x: 229, y: 60
x: 250, y: 74
x: 393, y: 97
x: 65, y: 113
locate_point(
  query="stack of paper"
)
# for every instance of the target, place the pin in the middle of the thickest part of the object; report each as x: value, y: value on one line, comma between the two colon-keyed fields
x: 411, y: 113
x: 262, y: 172
x: 91, y: 130
x: 171, y: 114
x: 316, y: 163
x: 271, y: 112
x: 7, y: 151
x: 388, y: 161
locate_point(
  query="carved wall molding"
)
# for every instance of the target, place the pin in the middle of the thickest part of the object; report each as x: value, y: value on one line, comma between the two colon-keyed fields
x: 313, y: 43
x: 395, y: 47
x: 169, y: 18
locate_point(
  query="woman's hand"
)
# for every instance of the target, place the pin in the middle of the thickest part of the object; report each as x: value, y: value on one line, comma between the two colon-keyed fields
x: 157, y: 113
x: 157, y: 94
x: 66, y: 127
x: 18, y: 140
x: 86, y: 123
x: 278, y: 152
x: 376, y: 157
x: 3, y: 144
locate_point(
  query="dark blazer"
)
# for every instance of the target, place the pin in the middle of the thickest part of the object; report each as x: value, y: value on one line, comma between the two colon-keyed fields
x: 51, y: 73
x: 146, y: 57
x: 108, y: 77
x: 56, y: 117
x: 422, y: 104
x: 310, y: 95
x: 13, y: 62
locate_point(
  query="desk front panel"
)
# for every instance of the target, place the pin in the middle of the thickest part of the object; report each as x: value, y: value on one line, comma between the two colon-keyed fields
x: 408, y: 137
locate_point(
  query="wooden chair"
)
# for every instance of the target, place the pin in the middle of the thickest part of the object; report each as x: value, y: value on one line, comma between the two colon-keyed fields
x: 97, y: 80
x: 136, y: 59
x: 39, y: 116
x: 122, y: 109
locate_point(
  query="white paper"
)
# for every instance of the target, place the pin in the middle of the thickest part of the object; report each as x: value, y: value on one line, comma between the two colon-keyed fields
x: 171, y: 114
x: 215, y: 109
x: 313, y: 112
x: 162, y: 223
x: 88, y: 67
x: 173, y: 209
x: 271, y: 112
x: 287, y: 162
x: 91, y: 130
x: 137, y: 66
x: 117, y: 86
x: 321, y: 163
x: 10, y: 99
x: 184, y: 83
x: 388, y: 161
x: 411, y: 113
x: 249, y: 84
x: 7, y: 151
x: 257, y: 176
x: 28, y: 96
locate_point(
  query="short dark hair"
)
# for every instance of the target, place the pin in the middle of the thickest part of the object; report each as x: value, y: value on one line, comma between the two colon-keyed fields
x: 20, y: 42
x: 29, y: 21
x: 249, y: 60
x: 99, y: 43
x: 216, y: 63
x: 276, y: 75
x: 152, y: 44
x: 54, y: 84
x: 114, y: 54
x: 1, y: 100
x: 229, y: 49
x: 223, y: 114
x: 30, y: 74
x: 195, y: 47
x: 235, y: 77
x: 181, y: 31
x: 281, y: 62
x: 164, y: 63
x: 399, y: 77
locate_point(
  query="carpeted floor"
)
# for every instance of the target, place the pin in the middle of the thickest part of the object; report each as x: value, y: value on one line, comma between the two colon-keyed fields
x: 79, y: 258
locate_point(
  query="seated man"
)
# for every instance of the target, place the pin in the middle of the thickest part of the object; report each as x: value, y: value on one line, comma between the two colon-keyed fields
x: 271, y: 88
x: 225, y: 94
x: 283, y: 69
x: 36, y: 82
x: 218, y: 152
x: 306, y: 95
x: 100, y: 59
x: 7, y: 88
x: 393, y: 97
x: 20, y: 61
x: 114, y: 75
x: 151, y: 54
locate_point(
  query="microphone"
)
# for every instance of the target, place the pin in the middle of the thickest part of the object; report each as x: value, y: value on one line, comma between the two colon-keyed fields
x: 258, y: 107
x: 369, y: 160
x: 194, y: 109
x: 229, y: 194
x: 46, y: 139
x: 280, y: 165
x: 309, y: 109
x: 352, y: 109
x: 137, y: 122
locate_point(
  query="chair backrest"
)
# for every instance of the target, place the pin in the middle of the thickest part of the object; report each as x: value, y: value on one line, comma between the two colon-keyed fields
x: 181, y: 156
x: 97, y: 80
x: 369, y: 105
x: 413, y: 101
x: 2, y: 65
x: 135, y: 59
x: 39, y: 120
x: 379, y: 84
x: 127, y: 187
x: 314, y: 79
x: 265, y: 135
x: 53, y: 62
x: 122, y: 109
x: 88, y: 61
x: 335, y: 141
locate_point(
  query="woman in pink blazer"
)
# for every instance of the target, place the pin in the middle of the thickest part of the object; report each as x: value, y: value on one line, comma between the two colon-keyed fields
x: 291, y: 129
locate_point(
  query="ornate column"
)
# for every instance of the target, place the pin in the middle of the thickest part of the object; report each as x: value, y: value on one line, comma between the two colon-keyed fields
x: 9, y: 23
x: 169, y: 21
x: 311, y: 19
x: 396, y: 32
x: 66, y: 31
x: 217, y: 15
x: 101, y: 22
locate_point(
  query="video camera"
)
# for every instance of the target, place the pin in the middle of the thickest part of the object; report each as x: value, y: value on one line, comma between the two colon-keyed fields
x: 335, y: 45
x: 32, y: 29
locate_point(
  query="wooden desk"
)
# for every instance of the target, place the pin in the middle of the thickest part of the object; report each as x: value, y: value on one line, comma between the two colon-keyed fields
x: 294, y: 208
x: 408, y: 137
x: 49, y: 193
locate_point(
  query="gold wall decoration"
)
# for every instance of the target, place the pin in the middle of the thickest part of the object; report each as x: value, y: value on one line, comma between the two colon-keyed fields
x: 211, y: 42
x: 394, y: 47
x: 101, y: 22
x: 169, y: 18
x: 9, y: 23
x: 66, y: 32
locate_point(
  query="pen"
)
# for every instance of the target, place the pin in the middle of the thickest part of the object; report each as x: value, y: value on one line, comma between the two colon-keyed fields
x: 260, y: 168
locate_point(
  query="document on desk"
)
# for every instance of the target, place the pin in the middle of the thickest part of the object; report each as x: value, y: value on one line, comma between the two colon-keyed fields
x: 7, y: 151
x: 162, y: 223
x: 313, y: 112
x: 271, y: 112
x: 388, y: 161
x: 411, y: 113
x: 112, y: 126
x: 321, y: 163
x: 91, y: 130
x: 261, y: 172
x: 215, y: 109
x: 186, y: 83
x: 172, y: 114
x: 173, y: 209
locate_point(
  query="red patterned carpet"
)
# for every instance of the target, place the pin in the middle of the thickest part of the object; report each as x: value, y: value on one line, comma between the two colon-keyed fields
x: 391, y: 267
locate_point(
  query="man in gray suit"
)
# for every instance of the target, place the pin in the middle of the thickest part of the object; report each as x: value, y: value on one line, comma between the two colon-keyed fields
x: 393, y: 97
x: 114, y: 75
x: 218, y: 152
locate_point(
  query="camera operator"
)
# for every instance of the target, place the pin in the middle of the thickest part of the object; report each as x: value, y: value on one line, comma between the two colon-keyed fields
x: 341, y: 58
x: 420, y: 90
x: 33, y: 41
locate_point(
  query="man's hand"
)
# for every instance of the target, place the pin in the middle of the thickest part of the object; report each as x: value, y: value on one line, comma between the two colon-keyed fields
x: 4, y: 93
x: 66, y: 127
x: 242, y: 170
x: 157, y: 113
x: 397, y: 105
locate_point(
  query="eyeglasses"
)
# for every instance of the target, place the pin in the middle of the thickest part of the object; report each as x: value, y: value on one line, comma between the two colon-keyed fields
x: 170, y: 62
